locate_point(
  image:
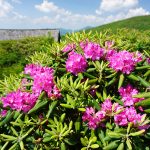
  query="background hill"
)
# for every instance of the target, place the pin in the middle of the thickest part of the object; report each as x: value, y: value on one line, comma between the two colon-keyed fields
x: 140, y: 23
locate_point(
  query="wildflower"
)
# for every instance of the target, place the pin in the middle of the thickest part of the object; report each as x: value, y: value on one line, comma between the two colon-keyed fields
x: 76, y: 63
x: 127, y: 94
x: 128, y: 115
x: 110, y: 108
x: 109, y: 44
x: 92, y: 51
x: 69, y: 47
x: 19, y: 100
x: 93, y: 118
x: 3, y: 113
x: 124, y: 61
x: 43, y: 80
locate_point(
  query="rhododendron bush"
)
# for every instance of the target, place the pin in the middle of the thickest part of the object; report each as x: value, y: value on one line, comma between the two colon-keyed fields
x: 83, y: 93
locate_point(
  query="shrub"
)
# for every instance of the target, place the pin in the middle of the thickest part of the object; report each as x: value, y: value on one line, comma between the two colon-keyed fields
x: 67, y: 98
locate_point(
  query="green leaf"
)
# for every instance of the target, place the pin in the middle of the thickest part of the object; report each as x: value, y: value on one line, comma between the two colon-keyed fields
x: 80, y: 75
x: 4, y: 146
x: 14, y: 131
x: 113, y: 80
x: 147, y: 110
x: 38, y: 106
x: 62, y: 117
x: 129, y: 144
x: 121, y: 146
x: 82, y: 109
x: 7, y: 118
x: 104, y: 93
x: 8, y: 137
x: 70, y: 141
x: 21, y: 145
x: 52, y: 106
x: 89, y: 75
x: 121, y: 79
x: 13, y: 147
x: 145, y: 102
x: 144, y: 82
x: 84, y: 141
x: 93, y: 139
x: 137, y: 133
x: 66, y: 106
x: 112, y: 145
x: 78, y: 124
x: 143, y: 67
x: 133, y: 77
x: 46, y: 139
x: 141, y: 95
x: 129, y: 127
x: 115, y: 135
x: 63, y: 146
x: 94, y: 146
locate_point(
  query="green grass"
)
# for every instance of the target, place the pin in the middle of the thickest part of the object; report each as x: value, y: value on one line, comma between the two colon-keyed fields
x: 141, y: 23
x: 13, y: 53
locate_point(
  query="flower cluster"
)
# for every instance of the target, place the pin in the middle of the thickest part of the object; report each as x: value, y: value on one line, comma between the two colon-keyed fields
x: 76, y: 63
x: 92, y: 50
x: 43, y: 80
x: 95, y: 119
x: 122, y: 114
x: 124, y: 61
x: 19, y: 100
x: 127, y: 94
x: 3, y: 113
x: 69, y: 47
x: 128, y: 115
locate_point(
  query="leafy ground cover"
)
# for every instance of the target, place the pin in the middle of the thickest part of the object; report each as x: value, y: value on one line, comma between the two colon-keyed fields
x: 90, y: 91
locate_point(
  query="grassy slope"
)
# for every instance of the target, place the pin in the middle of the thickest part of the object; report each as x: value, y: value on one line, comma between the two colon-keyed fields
x: 140, y: 23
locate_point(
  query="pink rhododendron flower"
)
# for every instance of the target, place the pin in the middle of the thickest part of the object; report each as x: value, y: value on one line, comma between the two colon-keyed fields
x: 19, y: 101
x: 107, y: 106
x: 127, y: 94
x: 92, y: 50
x: 128, y: 115
x: 148, y: 60
x: 109, y: 53
x: 3, y: 113
x: 43, y: 80
x: 110, y: 108
x: 137, y: 57
x: 124, y: 61
x: 93, y: 118
x: 76, y: 63
x: 69, y: 47
x: 34, y: 69
x: 109, y: 44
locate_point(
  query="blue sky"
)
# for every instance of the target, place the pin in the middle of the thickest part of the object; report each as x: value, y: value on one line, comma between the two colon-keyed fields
x: 69, y: 14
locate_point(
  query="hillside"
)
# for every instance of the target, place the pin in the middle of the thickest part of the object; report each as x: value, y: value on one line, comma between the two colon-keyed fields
x: 140, y: 23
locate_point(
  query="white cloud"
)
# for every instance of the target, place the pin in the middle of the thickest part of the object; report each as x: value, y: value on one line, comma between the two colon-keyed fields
x: 17, y: 16
x: 137, y: 12
x: 5, y: 8
x: 17, y: 1
x: 59, y: 17
x: 115, y: 5
x: 47, y: 7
